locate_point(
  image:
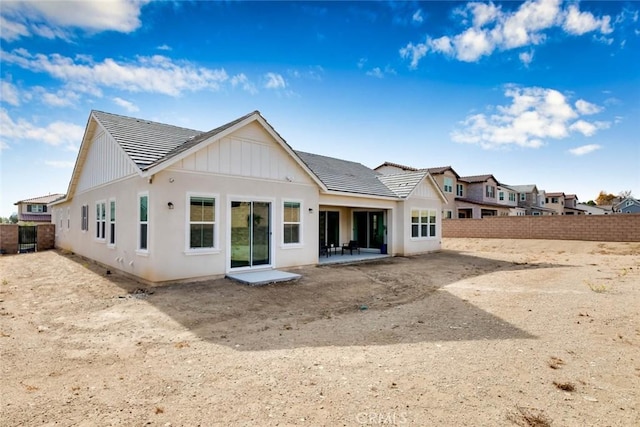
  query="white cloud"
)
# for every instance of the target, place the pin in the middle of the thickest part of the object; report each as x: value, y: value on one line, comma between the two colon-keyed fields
x: 533, y: 116
x: 155, y: 74
x: 9, y: 93
x: 55, y: 134
x: 274, y: 81
x: 50, y: 19
x: 243, y: 81
x: 417, y: 16
x: 585, y: 107
x: 127, y: 105
x: 61, y: 98
x: 375, y: 72
x: 487, y: 28
x: 578, y: 23
x: 584, y: 149
x: 415, y: 52
x: 59, y: 164
x: 526, y: 57
x: 164, y: 47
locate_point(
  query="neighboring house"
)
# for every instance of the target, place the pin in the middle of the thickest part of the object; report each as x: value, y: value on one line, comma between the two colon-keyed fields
x: 555, y: 201
x: 530, y: 200
x: 594, y: 210
x: 163, y: 203
x: 627, y: 205
x: 509, y: 197
x: 481, y: 199
x: 571, y: 205
x: 35, y: 209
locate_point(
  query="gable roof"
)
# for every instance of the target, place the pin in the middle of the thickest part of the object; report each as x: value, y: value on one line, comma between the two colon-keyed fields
x: 529, y: 188
x: 477, y: 178
x: 443, y: 169
x: 397, y: 165
x: 345, y: 176
x: 144, y: 141
x: 555, y: 194
x: 402, y: 184
x: 42, y: 199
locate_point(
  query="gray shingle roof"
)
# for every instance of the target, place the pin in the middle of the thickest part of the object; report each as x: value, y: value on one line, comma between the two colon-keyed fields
x: 42, y: 199
x: 403, y: 183
x: 345, y: 176
x: 524, y: 188
x: 146, y: 142
x: 477, y: 178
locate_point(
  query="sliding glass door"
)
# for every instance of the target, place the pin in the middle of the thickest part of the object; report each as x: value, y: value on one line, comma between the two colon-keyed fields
x: 368, y: 228
x: 250, y: 234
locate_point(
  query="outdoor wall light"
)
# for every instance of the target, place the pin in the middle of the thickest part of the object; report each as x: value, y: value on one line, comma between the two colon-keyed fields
x: 310, y: 210
x: 170, y: 205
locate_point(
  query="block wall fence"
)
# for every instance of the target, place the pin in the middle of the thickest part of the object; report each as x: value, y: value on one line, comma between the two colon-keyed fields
x: 605, y: 228
x: 9, y: 237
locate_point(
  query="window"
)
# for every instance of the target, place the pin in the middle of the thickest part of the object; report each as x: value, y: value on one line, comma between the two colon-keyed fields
x: 112, y: 222
x: 459, y: 190
x: 423, y: 223
x: 490, y: 191
x: 501, y: 195
x: 512, y: 197
x: 448, y: 185
x: 68, y: 218
x: 554, y: 200
x: 291, y: 222
x: 448, y: 214
x: 84, y: 224
x: 100, y: 220
x: 36, y: 208
x: 523, y: 197
x: 202, y: 222
x: 143, y: 221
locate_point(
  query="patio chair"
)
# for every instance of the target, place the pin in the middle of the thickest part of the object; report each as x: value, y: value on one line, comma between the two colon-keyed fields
x: 324, y: 250
x: 351, y: 246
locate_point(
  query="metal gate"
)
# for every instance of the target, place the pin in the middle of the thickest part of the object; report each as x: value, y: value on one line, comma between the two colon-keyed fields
x: 27, y: 238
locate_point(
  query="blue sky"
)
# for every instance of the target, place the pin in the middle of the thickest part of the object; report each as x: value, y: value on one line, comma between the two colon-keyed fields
x: 538, y: 92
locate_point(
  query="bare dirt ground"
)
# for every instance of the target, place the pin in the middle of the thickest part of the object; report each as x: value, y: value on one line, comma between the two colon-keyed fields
x: 484, y: 333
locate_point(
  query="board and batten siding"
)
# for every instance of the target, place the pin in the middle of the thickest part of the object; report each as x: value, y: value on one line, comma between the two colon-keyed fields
x: 248, y: 152
x: 425, y: 190
x: 105, y: 162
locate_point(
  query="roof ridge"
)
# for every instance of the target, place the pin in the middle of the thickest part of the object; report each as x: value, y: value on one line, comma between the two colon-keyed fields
x: 139, y: 119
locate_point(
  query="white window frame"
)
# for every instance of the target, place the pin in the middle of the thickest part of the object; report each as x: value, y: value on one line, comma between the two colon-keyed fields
x: 448, y: 214
x: 523, y: 197
x: 501, y: 195
x: 101, y: 220
x: 84, y: 218
x: 512, y: 197
x: 490, y: 191
x: 216, y: 235
x: 430, y: 213
x: 299, y: 223
x: 68, y: 218
x: 112, y: 221
x: 459, y: 190
x: 139, y: 222
x: 448, y: 184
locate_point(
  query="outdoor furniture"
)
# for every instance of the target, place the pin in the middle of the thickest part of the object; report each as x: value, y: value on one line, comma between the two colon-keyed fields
x: 351, y: 246
x: 324, y: 250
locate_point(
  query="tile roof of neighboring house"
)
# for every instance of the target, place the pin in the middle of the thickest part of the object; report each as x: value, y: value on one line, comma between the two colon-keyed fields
x: 397, y: 165
x: 345, y: 176
x: 440, y: 169
x: 477, y: 178
x: 402, y: 184
x: 146, y: 142
x: 45, y: 217
x: 555, y: 194
x: 524, y: 188
x: 480, y: 203
x: 570, y: 196
x: 42, y: 199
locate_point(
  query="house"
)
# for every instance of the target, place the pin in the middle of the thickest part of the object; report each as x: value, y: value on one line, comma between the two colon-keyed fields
x: 594, y: 209
x: 481, y: 199
x: 509, y: 197
x: 627, y: 205
x: 166, y: 203
x: 530, y: 199
x: 35, y: 209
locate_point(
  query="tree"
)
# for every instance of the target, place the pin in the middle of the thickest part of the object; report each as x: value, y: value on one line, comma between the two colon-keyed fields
x: 604, y: 198
x: 591, y: 203
x: 624, y: 194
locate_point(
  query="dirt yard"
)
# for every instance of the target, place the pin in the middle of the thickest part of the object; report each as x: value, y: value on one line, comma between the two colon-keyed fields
x: 484, y: 333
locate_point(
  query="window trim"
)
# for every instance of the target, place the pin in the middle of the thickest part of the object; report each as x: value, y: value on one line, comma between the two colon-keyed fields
x: 139, y: 222
x: 490, y: 194
x: 420, y: 224
x: 111, y: 242
x: 300, y: 242
x: 459, y: 190
x: 101, y: 221
x: 188, y: 250
x: 84, y: 218
x: 68, y: 218
x: 501, y: 196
